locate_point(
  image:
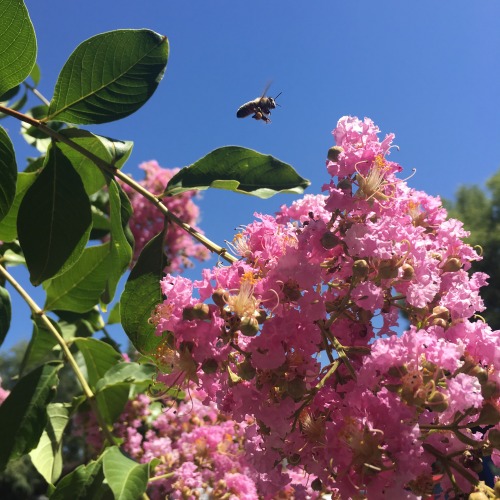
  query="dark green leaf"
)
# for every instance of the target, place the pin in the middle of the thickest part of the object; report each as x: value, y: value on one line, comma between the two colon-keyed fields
x: 54, y: 219
x: 109, y: 76
x: 126, y: 478
x: 17, y: 44
x: 10, y: 94
x: 47, y: 456
x: 8, y: 226
x: 240, y: 170
x: 8, y: 173
x: 142, y: 294
x: 80, y: 287
x: 23, y: 414
x: 5, y: 313
x: 99, y: 358
x: 126, y: 373
x: 121, y: 250
x: 112, y: 151
x: 84, y: 483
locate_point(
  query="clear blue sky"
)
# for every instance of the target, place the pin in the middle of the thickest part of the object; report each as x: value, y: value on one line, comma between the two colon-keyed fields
x: 429, y: 71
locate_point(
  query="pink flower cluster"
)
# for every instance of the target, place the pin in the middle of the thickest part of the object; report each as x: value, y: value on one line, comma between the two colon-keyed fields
x: 301, y: 335
x: 200, y: 451
x: 147, y: 220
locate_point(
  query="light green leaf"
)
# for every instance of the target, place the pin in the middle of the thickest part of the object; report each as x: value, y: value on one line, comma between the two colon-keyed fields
x: 17, y: 44
x: 8, y: 173
x: 40, y: 348
x: 99, y: 358
x: 126, y: 478
x: 36, y: 137
x: 5, y: 313
x: 240, y: 170
x: 8, y: 226
x: 126, y: 373
x: 112, y: 151
x: 109, y: 76
x: 80, y: 287
x: 142, y: 294
x: 23, y: 414
x: 54, y: 219
x: 47, y: 456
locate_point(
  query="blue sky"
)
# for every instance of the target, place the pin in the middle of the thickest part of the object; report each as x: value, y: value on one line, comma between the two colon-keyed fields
x: 428, y: 71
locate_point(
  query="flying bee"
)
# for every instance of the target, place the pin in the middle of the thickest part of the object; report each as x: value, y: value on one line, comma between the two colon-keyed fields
x: 259, y: 108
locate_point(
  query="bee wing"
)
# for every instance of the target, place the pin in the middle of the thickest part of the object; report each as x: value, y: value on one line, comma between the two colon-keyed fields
x: 266, y: 88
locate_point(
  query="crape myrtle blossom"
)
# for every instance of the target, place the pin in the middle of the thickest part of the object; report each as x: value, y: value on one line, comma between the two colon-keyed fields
x: 147, y: 221
x: 200, y: 453
x: 300, y: 335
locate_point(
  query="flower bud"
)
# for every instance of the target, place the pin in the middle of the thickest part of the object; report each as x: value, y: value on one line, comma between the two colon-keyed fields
x: 334, y: 153
x: 317, y: 485
x: 294, y: 459
x: 246, y: 371
x: 296, y: 389
x: 494, y: 438
x: 489, y: 389
x: 439, y: 322
x: 477, y: 495
x: 497, y: 489
x: 249, y: 326
x: 198, y: 311
x: 451, y: 265
x: 261, y: 316
x: 291, y: 291
x: 438, y: 402
x: 387, y: 270
x: 490, y: 415
x: 329, y: 240
x: 220, y: 297
x: 345, y: 184
x: 408, y: 272
x: 360, y: 269
x: 209, y: 366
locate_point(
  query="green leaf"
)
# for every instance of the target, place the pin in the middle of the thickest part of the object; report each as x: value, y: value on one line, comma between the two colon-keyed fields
x: 99, y: 358
x: 36, y: 137
x: 47, y: 456
x: 142, y: 294
x: 23, y: 414
x: 109, y: 76
x: 8, y: 173
x: 40, y: 348
x: 54, y: 219
x: 17, y: 44
x: 240, y: 170
x: 81, y: 286
x: 126, y: 478
x: 36, y: 74
x: 112, y: 151
x: 8, y: 226
x: 121, y: 250
x: 114, y: 315
x: 5, y: 313
x: 126, y: 373
x: 84, y: 483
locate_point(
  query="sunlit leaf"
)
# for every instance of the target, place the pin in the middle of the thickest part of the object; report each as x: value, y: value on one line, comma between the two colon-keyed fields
x: 112, y: 151
x: 23, y: 414
x: 126, y: 478
x: 36, y: 137
x: 8, y: 226
x: 8, y: 173
x: 99, y: 358
x: 126, y: 373
x: 17, y: 44
x: 5, y: 313
x: 54, y: 219
x: 109, y: 76
x: 80, y: 287
x: 47, y: 456
x: 40, y: 348
x: 240, y: 170
x: 142, y: 294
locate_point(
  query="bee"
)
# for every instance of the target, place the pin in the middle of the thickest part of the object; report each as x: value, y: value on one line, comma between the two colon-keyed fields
x: 260, y: 107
